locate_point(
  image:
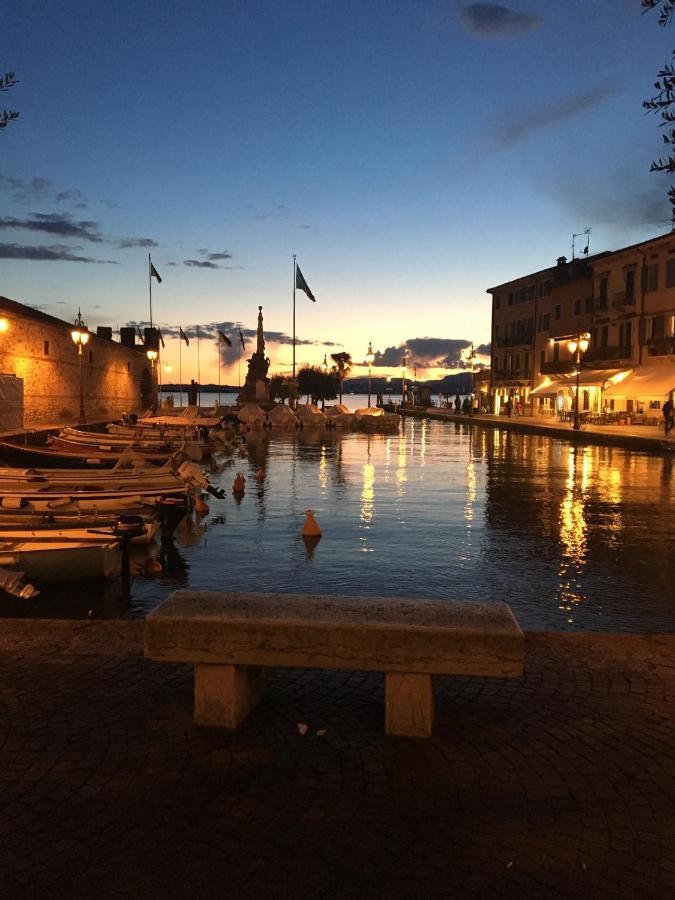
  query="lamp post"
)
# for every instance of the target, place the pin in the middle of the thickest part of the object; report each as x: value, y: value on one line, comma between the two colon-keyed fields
x: 402, y: 380
x: 152, y: 356
x: 4, y: 325
x: 80, y: 337
x: 577, y: 347
x: 370, y: 356
x: 324, y: 365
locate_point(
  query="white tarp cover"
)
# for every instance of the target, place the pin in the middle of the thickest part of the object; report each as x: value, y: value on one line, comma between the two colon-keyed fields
x: 282, y: 415
x: 339, y: 409
x: 251, y: 413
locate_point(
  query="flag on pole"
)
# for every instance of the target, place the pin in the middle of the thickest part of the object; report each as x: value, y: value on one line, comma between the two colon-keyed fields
x: 224, y: 338
x: 155, y: 274
x: 241, y: 338
x: 183, y: 336
x: 302, y: 285
x: 161, y: 339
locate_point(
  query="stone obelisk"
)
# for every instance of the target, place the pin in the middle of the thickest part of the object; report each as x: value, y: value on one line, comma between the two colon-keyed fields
x: 256, y: 388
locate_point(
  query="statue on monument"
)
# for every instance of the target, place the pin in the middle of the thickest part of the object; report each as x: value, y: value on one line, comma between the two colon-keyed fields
x: 256, y: 388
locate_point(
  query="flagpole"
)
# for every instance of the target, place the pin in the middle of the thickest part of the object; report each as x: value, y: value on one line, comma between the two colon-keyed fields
x: 150, y: 285
x: 199, y: 377
x: 218, y: 370
x: 294, y: 280
x: 180, y: 365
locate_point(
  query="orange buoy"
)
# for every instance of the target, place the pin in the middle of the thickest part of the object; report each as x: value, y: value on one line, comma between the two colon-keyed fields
x: 260, y: 474
x: 311, y: 527
x: 239, y: 483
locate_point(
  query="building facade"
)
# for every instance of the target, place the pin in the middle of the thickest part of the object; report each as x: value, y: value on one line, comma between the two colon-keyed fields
x: 622, y: 301
x: 40, y: 368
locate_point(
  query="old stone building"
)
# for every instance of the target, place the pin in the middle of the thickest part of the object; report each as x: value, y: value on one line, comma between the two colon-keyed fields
x: 623, y: 300
x: 41, y: 372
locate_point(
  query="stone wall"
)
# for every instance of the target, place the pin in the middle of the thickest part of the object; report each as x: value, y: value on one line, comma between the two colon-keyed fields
x: 39, y: 349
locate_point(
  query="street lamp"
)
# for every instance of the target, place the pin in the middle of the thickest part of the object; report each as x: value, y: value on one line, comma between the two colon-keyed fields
x: 80, y: 337
x: 152, y: 356
x: 577, y: 347
x: 471, y: 356
x: 370, y: 356
x: 4, y: 325
x: 403, y: 380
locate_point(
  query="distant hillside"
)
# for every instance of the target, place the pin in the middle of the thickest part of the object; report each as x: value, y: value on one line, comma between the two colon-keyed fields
x: 460, y: 383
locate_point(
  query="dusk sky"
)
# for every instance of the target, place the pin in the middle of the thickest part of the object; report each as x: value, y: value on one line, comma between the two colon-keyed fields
x: 411, y: 154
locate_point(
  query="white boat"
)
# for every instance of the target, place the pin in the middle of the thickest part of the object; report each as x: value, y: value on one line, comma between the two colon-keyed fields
x: 309, y: 414
x: 190, y: 415
x: 48, y: 534
x: 372, y: 418
x: 281, y: 416
x: 54, y: 562
x: 251, y: 414
x: 339, y: 415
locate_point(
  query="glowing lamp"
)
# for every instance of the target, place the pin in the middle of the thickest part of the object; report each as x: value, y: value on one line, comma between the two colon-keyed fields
x: 4, y: 325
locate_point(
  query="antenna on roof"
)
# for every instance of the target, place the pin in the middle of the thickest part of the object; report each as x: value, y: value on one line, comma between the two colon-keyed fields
x: 587, y: 232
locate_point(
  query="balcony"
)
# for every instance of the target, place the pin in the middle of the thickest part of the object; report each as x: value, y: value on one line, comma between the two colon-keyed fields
x: 664, y: 346
x: 557, y: 367
x: 607, y: 354
x: 525, y: 338
x: 622, y: 299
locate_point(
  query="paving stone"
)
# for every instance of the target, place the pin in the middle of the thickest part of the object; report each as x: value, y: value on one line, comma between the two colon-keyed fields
x: 561, y: 784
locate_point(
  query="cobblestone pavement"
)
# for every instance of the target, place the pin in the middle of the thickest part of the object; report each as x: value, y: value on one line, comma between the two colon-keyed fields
x: 561, y: 785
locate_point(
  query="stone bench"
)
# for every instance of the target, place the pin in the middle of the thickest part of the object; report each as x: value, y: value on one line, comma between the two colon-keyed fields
x: 231, y: 637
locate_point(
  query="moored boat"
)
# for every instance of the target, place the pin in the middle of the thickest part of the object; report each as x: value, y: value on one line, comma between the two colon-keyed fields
x: 58, y: 562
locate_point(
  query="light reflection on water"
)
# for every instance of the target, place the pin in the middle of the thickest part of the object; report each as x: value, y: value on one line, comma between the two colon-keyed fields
x: 570, y: 537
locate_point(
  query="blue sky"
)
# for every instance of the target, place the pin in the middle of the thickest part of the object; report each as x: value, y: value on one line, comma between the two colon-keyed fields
x: 411, y: 154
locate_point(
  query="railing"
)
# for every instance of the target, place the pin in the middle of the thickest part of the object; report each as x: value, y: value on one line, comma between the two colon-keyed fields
x: 661, y: 346
x: 557, y: 367
x: 516, y: 340
x: 602, y: 354
x: 623, y: 299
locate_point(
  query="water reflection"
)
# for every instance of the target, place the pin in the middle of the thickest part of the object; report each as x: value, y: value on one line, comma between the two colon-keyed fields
x: 569, y: 537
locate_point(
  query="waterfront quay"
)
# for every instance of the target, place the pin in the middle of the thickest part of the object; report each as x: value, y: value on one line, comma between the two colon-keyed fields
x: 647, y: 438
x: 557, y: 785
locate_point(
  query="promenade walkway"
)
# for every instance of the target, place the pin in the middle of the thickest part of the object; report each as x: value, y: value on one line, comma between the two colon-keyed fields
x: 561, y: 785
x: 638, y: 437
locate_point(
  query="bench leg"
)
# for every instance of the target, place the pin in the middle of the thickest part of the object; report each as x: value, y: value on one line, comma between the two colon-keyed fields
x: 224, y: 695
x: 409, y: 704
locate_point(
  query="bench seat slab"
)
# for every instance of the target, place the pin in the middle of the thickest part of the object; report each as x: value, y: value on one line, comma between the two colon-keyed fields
x: 409, y: 704
x: 224, y: 695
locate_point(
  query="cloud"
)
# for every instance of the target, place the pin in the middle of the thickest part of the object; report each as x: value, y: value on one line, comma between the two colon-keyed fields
x: 51, y: 223
x: 425, y: 353
x: 52, y: 253
x: 74, y: 196
x: 126, y: 243
x: 522, y: 125
x: 200, y: 263
x: 22, y: 190
x: 221, y: 254
x: 496, y: 20
x: 279, y: 211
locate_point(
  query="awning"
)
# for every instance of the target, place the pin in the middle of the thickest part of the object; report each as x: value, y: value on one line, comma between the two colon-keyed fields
x: 547, y: 389
x: 592, y: 377
x: 646, y: 381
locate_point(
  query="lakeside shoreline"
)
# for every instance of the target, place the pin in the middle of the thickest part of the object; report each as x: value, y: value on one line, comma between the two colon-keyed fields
x: 628, y: 437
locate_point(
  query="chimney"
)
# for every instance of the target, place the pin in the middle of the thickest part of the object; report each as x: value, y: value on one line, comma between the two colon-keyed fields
x: 128, y: 337
x: 562, y: 260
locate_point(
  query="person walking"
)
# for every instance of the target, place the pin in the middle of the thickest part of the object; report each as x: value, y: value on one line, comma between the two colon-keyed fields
x: 509, y: 407
x: 667, y: 410
x: 458, y: 404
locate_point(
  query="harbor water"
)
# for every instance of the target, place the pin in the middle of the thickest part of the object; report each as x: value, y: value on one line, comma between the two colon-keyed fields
x: 572, y: 537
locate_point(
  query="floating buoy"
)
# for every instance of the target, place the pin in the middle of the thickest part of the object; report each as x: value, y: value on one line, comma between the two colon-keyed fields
x: 201, y: 507
x: 239, y: 483
x: 311, y: 526
x: 260, y: 474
